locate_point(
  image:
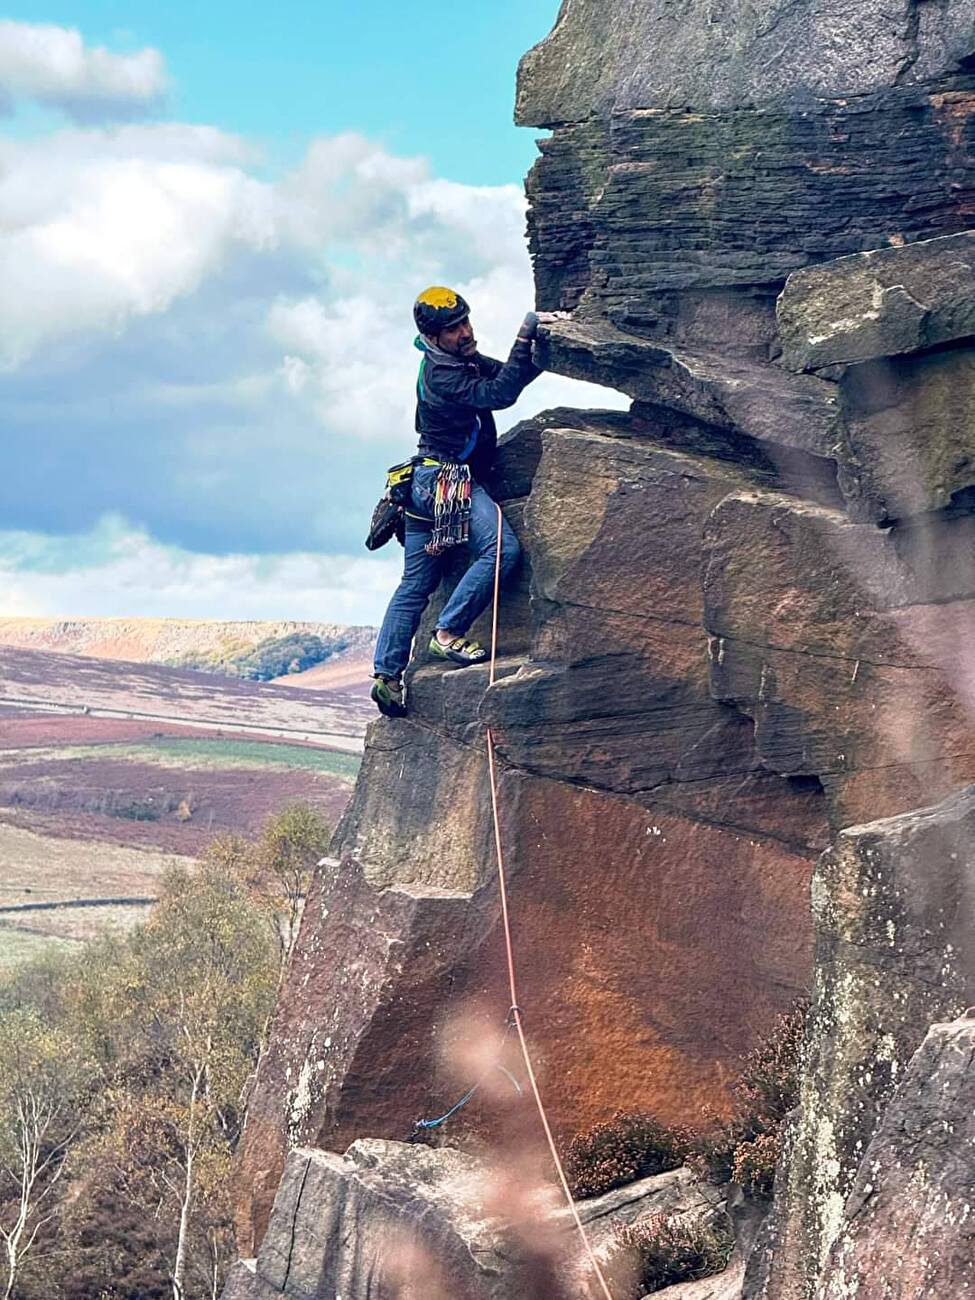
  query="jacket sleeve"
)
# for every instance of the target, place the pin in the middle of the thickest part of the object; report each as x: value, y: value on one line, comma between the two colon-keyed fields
x: 488, y: 366
x: 502, y: 389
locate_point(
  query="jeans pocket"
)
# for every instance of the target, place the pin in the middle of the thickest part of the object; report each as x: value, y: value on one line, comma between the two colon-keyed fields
x: 424, y: 482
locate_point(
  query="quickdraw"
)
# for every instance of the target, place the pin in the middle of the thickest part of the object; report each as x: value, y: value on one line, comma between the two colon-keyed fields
x: 451, y: 508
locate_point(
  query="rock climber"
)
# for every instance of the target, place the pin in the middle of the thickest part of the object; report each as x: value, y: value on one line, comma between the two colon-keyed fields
x: 447, y: 504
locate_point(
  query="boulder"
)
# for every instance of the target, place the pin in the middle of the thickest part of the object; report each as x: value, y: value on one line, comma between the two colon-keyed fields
x: 894, y: 435
x: 879, y: 304
x: 908, y: 1229
x: 387, y: 1219
x: 610, y: 55
x: 723, y: 1286
x: 894, y: 908
x: 520, y: 447
x: 615, y: 534
x: 797, y: 412
x: 363, y: 992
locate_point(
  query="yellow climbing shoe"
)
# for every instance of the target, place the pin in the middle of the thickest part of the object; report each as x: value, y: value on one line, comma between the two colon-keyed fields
x: 458, y: 651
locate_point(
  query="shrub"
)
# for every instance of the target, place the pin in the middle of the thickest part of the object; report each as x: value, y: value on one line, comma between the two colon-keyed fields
x: 627, y: 1146
x: 663, y: 1249
x: 138, y: 811
x: 279, y: 656
x: 753, y: 1166
x: 745, y: 1148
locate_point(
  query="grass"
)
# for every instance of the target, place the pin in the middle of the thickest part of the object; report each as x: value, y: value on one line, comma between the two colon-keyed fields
x: 17, y: 946
x: 248, y: 753
x: 202, y: 753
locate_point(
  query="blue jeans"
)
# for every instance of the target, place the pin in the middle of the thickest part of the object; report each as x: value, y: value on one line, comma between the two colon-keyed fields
x: 422, y: 574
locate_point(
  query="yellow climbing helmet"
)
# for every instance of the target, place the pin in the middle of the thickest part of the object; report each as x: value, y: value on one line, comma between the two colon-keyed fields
x: 437, y: 308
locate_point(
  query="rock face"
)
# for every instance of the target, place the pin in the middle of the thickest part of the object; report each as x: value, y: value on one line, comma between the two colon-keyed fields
x: 654, y: 860
x: 916, y: 1185
x: 610, y: 55
x: 879, y: 304
x: 742, y: 624
x: 894, y: 904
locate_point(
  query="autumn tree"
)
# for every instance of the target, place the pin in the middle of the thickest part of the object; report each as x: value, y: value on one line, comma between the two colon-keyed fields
x: 44, y: 1076
x: 281, y: 864
x: 124, y: 1069
x: 201, y: 978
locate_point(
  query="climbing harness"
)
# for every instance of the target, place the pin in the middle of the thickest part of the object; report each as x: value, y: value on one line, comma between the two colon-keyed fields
x: 515, y: 1017
x: 451, y: 508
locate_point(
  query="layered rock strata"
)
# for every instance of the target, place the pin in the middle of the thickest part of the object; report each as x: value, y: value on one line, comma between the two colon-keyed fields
x: 741, y: 626
x: 654, y: 861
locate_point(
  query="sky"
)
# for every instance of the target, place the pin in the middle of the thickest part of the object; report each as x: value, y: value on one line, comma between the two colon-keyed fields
x: 213, y: 222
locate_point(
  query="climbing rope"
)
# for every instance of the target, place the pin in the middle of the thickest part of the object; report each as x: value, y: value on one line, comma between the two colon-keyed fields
x: 425, y: 1125
x: 515, y: 1014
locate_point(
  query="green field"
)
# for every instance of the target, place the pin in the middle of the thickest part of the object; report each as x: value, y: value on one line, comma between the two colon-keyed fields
x: 21, y: 945
x: 202, y: 752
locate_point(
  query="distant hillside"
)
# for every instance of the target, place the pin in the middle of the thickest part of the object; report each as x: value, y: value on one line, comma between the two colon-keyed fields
x: 202, y: 644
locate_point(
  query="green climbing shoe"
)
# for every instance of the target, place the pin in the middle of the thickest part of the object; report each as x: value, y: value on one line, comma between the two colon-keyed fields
x: 387, y: 694
x: 458, y: 651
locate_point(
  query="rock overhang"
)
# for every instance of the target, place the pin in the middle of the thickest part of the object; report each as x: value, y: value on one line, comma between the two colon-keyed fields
x: 605, y: 56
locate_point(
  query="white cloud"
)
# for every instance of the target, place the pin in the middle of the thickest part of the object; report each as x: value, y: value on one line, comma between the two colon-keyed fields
x: 52, y: 65
x: 96, y: 228
x: 227, y: 359
x: 117, y: 569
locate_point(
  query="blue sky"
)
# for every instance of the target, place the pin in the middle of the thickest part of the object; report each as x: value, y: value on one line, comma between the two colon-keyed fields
x: 213, y: 221
x: 417, y: 78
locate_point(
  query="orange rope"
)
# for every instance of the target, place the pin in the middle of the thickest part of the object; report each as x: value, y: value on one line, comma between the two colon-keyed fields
x: 502, y: 881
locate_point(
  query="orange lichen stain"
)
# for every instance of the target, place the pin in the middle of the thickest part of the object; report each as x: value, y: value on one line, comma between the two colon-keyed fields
x: 953, y: 109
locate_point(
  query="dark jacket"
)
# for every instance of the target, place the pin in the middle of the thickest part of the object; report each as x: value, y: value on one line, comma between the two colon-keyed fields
x: 456, y: 395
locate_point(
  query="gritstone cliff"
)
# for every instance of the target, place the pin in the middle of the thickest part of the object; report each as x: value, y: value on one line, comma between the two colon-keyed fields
x: 743, y: 624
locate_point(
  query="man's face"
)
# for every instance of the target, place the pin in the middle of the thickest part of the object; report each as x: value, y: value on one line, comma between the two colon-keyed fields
x: 458, y: 339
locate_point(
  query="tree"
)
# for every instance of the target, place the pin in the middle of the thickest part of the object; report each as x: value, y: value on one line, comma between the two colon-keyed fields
x: 43, y: 1075
x: 290, y: 846
x: 202, y: 976
x: 123, y: 1079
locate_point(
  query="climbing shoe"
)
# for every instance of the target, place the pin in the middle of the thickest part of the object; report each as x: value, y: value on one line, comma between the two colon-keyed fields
x: 458, y: 651
x: 387, y: 694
